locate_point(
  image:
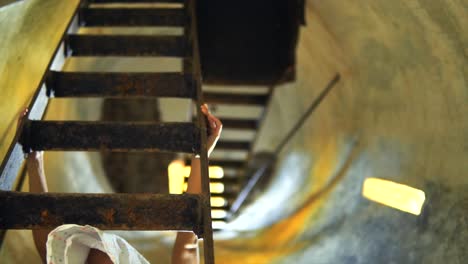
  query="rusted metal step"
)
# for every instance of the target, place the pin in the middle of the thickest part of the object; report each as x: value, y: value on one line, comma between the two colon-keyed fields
x: 229, y: 196
x: 231, y: 173
x: 236, y: 99
x: 232, y: 188
x: 224, y: 219
x: 110, y: 136
x: 133, y: 17
x: 226, y: 180
x: 233, y: 145
x: 134, y: 1
x: 91, y: 84
x: 125, y: 45
x: 242, y: 124
x: 226, y: 207
x: 20, y: 210
x: 235, y: 164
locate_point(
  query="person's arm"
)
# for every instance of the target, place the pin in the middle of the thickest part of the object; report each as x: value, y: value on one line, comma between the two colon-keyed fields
x: 37, y: 184
x: 186, y: 245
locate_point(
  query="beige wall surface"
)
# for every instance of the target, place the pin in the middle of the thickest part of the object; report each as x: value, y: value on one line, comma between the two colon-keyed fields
x: 30, y: 32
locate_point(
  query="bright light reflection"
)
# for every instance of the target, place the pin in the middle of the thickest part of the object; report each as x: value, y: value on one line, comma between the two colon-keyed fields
x: 218, y: 201
x: 176, y: 176
x: 218, y: 224
x: 216, y: 213
x: 392, y: 194
x: 177, y: 171
x: 216, y: 187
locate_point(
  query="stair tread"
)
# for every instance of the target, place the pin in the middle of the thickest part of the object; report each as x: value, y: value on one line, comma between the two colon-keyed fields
x: 111, y: 84
x: 233, y: 145
x: 236, y: 99
x: 133, y: 16
x: 115, y: 211
x: 125, y: 45
x: 133, y: 1
x: 111, y: 136
x: 227, y: 163
x: 243, y: 124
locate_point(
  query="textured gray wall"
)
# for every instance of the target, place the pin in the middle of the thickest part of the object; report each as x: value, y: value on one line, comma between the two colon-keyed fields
x: 399, y: 113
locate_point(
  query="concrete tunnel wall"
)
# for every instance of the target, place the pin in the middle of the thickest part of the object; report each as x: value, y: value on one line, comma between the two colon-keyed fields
x: 398, y: 113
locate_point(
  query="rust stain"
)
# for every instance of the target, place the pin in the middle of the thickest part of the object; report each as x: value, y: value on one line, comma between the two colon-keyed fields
x: 131, y: 217
x: 108, y: 215
x: 49, y: 219
x: 44, y: 215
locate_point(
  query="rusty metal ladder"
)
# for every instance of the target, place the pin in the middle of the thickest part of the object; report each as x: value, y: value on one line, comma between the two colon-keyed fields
x: 187, y: 212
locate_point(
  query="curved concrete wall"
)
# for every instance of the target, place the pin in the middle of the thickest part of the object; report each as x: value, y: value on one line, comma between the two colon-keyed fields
x: 398, y: 113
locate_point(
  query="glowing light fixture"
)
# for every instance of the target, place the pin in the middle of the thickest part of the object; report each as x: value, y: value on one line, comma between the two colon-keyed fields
x: 392, y: 194
x: 216, y: 213
x: 215, y: 187
x: 215, y: 172
x: 177, y: 171
x: 176, y: 176
x: 218, y: 201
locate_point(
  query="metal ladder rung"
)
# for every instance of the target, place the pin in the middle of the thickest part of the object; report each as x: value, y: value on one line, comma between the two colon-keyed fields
x: 233, y: 145
x: 110, y: 136
x: 228, y: 163
x: 125, y: 45
x: 105, y: 211
x: 229, y: 123
x: 133, y: 17
x: 136, y: 1
x: 107, y: 84
x: 235, y: 99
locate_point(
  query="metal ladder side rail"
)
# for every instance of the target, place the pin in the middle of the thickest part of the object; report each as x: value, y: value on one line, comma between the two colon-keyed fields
x: 194, y: 66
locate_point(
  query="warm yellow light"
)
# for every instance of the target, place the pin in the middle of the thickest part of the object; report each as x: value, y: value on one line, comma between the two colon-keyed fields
x: 218, y: 201
x: 177, y: 171
x: 216, y: 213
x: 215, y: 187
x: 215, y: 172
x: 176, y: 176
x: 399, y: 196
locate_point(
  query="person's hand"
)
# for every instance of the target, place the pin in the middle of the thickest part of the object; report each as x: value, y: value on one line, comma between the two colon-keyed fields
x: 21, y: 118
x: 34, y: 156
x: 214, y: 128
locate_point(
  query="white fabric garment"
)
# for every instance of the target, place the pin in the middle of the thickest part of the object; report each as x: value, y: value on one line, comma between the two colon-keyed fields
x: 70, y: 244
